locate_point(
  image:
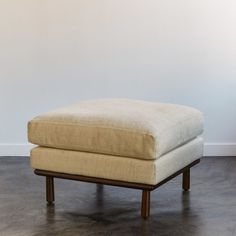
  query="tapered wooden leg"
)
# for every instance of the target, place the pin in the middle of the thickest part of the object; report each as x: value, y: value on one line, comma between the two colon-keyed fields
x: 186, y: 180
x: 50, y: 190
x: 145, y: 208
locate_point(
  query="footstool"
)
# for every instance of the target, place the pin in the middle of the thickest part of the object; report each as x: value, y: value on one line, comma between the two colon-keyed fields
x: 118, y: 142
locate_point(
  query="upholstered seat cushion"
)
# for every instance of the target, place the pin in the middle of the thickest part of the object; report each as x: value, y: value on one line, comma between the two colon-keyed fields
x: 118, y: 127
x: 115, y: 167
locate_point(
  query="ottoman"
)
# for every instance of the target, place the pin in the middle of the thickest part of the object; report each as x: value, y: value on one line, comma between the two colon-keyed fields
x: 118, y: 142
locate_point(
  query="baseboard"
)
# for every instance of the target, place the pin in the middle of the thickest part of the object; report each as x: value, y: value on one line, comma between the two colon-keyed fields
x: 210, y: 149
x: 220, y: 149
x: 15, y: 149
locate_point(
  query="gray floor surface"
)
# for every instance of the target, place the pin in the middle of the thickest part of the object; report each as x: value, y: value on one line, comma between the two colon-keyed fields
x: 209, y: 209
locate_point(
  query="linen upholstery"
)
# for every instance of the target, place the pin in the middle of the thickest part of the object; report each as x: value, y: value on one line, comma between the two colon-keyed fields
x: 117, y: 127
x: 116, y: 167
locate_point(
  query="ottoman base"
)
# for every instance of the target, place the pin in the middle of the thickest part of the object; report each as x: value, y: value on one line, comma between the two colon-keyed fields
x: 146, y: 189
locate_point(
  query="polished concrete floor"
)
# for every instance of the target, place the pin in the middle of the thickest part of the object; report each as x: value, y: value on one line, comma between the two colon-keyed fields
x: 209, y: 209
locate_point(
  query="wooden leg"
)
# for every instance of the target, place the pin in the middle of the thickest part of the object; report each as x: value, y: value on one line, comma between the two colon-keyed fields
x: 50, y: 190
x: 186, y: 180
x: 145, y: 209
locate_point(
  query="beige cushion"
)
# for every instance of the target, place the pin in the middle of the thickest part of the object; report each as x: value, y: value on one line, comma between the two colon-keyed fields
x: 114, y: 167
x: 144, y: 130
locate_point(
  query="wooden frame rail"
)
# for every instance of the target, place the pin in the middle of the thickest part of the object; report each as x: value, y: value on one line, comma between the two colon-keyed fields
x: 146, y: 189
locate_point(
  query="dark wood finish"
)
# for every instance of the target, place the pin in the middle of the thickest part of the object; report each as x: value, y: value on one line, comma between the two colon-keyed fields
x: 50, y: 189
x: 186, y: 180
x: 94, y: 180
x: 112, y: 182
x: 177, y: 173
x: 145, y: 207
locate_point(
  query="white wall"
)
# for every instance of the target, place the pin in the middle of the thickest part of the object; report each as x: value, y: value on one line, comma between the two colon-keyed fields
x: 54, y: 52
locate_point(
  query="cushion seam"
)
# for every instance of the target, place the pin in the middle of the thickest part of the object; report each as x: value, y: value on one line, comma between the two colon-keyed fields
x: 103, y: 152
